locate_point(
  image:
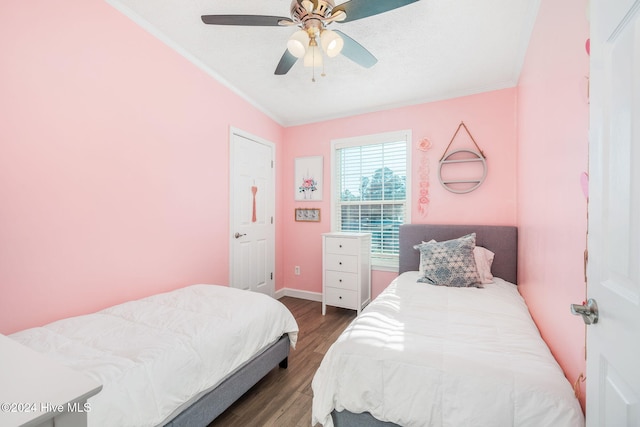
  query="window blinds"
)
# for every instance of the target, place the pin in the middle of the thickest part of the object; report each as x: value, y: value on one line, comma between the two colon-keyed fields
x: 372, y: 192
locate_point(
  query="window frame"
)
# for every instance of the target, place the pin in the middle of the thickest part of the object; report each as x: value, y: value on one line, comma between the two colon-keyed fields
x: 386, y: 263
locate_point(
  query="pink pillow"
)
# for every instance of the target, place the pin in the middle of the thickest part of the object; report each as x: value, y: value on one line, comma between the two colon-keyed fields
x: 484, y: 259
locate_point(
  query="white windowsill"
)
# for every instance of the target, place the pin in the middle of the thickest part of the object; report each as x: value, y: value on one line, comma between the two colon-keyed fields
x: 384, y: 265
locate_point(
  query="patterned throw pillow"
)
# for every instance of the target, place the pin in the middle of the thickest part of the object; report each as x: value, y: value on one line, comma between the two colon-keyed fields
x: 449, y: 263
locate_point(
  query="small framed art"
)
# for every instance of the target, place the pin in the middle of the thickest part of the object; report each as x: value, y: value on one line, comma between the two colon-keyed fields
x: 306, y: 214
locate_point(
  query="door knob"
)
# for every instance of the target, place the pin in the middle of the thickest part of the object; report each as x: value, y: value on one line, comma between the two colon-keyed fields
x: 588, y: 311
x: 238, y: 235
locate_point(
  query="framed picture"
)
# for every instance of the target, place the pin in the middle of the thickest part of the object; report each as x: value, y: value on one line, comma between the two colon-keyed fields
x: 304, y: 214
x: 308, y: 178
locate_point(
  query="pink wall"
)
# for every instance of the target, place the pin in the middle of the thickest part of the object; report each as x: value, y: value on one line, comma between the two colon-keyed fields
x: 491, y: 119
x: 113, y: 163
x: 552, y: 154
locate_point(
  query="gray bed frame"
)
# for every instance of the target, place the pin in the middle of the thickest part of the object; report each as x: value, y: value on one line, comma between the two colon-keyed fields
x: 501, y: 240
x: 216, y: 401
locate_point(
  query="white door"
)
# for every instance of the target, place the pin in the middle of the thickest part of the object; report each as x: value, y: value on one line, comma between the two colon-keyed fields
x: 613, y: 344
x: 252, y: 228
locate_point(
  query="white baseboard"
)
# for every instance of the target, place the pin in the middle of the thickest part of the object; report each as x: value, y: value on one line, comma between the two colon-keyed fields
x: 296, y: 293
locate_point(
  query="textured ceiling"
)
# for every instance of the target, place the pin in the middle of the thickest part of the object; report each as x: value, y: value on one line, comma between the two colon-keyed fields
x: 429, y: 50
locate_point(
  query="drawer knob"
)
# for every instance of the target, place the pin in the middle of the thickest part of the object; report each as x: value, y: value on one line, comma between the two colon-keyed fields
x: 340, y: 263
x: 340, y: 245
x: 340, y: 280
x: 340, y: 297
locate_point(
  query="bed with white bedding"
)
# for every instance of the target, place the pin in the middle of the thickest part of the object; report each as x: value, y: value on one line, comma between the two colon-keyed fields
x: 427, y: 355
x: 179, y: 357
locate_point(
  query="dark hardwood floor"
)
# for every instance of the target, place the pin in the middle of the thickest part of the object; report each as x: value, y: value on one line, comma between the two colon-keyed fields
x: 283, y: 397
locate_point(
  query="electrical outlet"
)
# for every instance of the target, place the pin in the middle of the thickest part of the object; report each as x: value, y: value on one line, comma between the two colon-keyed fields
x: 296, y: 270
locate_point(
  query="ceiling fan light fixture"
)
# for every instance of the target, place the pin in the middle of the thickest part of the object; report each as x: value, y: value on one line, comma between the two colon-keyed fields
x: 331, y: 42
x: 297, y: 44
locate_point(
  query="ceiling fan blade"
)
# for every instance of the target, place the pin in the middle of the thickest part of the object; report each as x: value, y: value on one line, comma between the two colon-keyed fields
x: 249, y: 20
x: 356, y: 52
x: 285, y: 64
x: 358, y: 9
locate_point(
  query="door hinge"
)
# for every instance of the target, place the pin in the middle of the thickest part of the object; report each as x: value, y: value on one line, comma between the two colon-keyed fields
x: 271, y: 220
x: 271, y: 276
x: 271, y: 164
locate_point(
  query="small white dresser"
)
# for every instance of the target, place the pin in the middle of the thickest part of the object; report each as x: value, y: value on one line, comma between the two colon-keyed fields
x: 346, y: 270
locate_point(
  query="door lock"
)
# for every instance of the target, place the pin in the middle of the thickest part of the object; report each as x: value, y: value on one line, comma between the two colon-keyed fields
x: 588, y: 311
x: 238, y: 235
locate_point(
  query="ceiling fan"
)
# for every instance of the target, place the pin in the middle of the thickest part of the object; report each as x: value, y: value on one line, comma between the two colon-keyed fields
x: 313, y: 38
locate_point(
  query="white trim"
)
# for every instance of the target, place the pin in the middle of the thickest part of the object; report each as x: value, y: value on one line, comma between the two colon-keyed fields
x: 452, y: 94
x: 390, y: 269
x: 296, y: 293
x: 376, y: 138
x: 378, y: 265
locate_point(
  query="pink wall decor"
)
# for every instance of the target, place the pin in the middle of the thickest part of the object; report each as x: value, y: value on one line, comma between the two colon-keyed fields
x: 462, y: 170
x: 254, y: 191
x: 423, y: 176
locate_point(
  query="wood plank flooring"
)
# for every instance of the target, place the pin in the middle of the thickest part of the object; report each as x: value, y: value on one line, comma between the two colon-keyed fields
x: 283, y: 397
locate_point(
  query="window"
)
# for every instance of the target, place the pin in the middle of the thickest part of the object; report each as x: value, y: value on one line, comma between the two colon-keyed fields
x: 371, y: 190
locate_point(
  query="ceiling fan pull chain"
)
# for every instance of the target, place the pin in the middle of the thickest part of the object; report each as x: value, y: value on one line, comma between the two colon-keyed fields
x: 313, y: 66
x: 323, y: 73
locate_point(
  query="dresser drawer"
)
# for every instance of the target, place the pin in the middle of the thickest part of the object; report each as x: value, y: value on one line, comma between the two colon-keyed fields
x: 341, y: 280
x: 341, y: 298
x: 340, y: 245
x: 347, y: 263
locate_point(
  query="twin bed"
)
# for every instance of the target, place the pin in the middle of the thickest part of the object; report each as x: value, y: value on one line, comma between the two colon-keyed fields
x: 418, y: 355
x: 178, y: 358
x: 458, y: 354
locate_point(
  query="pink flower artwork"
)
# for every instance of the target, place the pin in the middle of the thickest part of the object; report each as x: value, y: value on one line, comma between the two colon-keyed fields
x: 423, y: 175
x: 308, y: 185
x: 424, y: 144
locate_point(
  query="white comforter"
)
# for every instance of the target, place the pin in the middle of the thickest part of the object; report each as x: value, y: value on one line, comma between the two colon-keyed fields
x: 423, y: 355
x: 153, y: 354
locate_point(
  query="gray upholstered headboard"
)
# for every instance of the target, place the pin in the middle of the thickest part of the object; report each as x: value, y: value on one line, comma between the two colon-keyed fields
x: 501, y: 240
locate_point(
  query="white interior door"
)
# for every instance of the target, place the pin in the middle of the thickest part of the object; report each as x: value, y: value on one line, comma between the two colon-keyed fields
x: 613, y: 344
x: 252, y: 231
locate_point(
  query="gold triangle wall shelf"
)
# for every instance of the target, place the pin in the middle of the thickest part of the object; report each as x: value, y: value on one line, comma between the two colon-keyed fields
x: 463, y: 170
